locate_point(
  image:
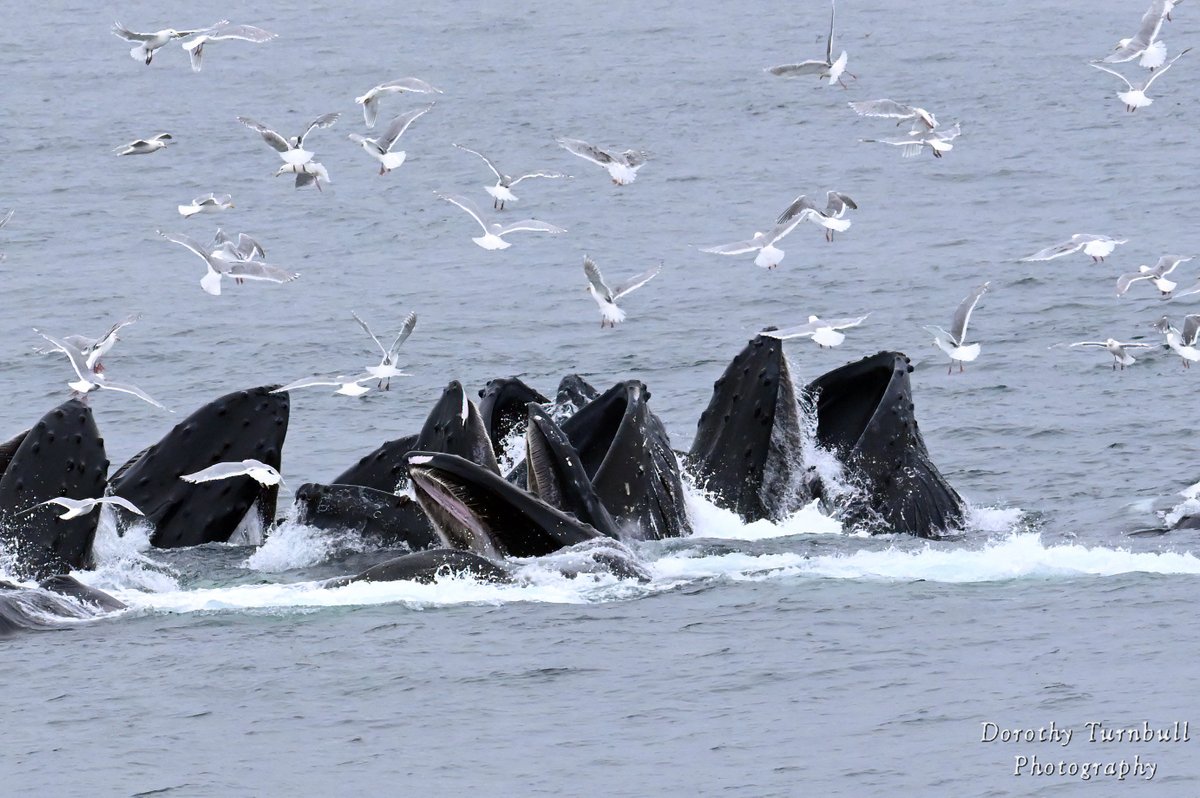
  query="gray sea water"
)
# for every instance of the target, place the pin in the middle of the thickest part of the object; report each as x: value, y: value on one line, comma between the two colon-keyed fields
x: 790, y: 659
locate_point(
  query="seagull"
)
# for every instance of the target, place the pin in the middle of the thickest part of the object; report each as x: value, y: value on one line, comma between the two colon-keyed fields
x: 1194, y: 289
x: 144, y: 146
x: 147, y: 43
x: 1158, y: 275
x: 606, y: 298
x: 243, y: 248
x: 493, y: 234
x: 223, y: 30
x: 3, y: 221
x: 830, y: 218
x: 219, y: 267
x: 622, y: 166
x: 370, y: 100
x: 209, y: 203
x: 1116, y: 349
x: 381, y: 148
x: 93, y: 349
x: 954, y: 343
x: 1184, y: 343
x: 501, y: 192
x: 938, y: 141
x: 1136, y: 97
x: 823, y: 333
x: 257, y: 470
x: 1145, y: 42
x: 347, y: 386
x: 307, y: 172
x: 77, y: 507
x: 89, y: 380
x: 290, y: 150
x: 829, y: 68
x: 1098, y: 247
x: 922, y: 120
x: 387, y: 367
x: 768, y: 255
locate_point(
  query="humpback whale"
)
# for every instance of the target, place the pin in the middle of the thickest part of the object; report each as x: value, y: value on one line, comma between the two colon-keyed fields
x: 747, y: 450
x: 383, y: 469
x: 384, y: 517
x: 426, y: 566
x: 244, y: 424
x: 61, y: 455
x: 475, y: 509
x: 865, y: 414
x: 626, y: 452
x: 574, y: 392
x: 454, y: 426
x: 24, y: 608
x: 502, y: 407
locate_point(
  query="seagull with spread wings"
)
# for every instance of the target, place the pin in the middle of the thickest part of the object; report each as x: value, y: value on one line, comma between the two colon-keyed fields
x: 257, y: 470
x: 291, y: 150
x: 1095, y: 246
x: 494, y: 232
x: 370, y: 100
x: 502, y: 191
x: 88, y: 380
x: 823, y: 333
x: 147, y: 43
x: 77, y: 507
x: 381, y: 148
x: 1135, y: 97
x: 219, y: 267
x: 622, y: 166
x: 954, y: 343
x: 223, y: 31
x: 606, y: 297
x: 1117, y: 349
x: 387, y: 366
x: 830, y: 68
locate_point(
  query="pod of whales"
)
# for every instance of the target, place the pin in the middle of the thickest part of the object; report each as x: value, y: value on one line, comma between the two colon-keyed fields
x: 598, y: 468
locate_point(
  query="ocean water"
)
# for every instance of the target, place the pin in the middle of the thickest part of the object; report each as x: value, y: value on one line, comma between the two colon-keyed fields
x: 767, y: 659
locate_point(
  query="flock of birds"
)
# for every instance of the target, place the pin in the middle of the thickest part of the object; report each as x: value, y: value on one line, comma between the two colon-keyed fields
x: 241, y: 258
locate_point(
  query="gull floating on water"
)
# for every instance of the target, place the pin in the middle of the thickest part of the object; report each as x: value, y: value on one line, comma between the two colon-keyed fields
x: 257, y: 470
x: 824, y: 333
x: 290, y: 150
x: 1136, y: 97
x: 493, y: 234
x: 922, y: 120
x: 829, y: 68
x: 501, y: 192
x: 219, y: 267
x: 381, y: 148
x: 1115, y: 348
x: 1158, y: 275
x: 147, y: 43
x: 1097, y: 247
x: 622, y: 166
x: 830, y: 218
x: 144, y: 146
x: 88, y: 380
x: 1184, y: 343
x: 370, y: 100
x: 221, y: 31
x: 954, y: 343
x: 77, y: 507
x: 387, y: 366
x: 347, y: 386
x: 606, y: 298
x: 1145, y: 43
x: 939, y: 141
x: 209, y: 203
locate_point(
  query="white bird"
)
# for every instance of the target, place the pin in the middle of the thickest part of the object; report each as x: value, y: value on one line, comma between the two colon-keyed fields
x: 144, y: 146
x: 501, y: 192
x: 219, y: 267
x: 954, y: 343
x: 493, y: 234
x: 243, y: 248
x: 3, y: 221
x: 387, y: 366
x: 1184, y: 343
x: 291, y: 150
x: 307, y: 172
x: 88, y: 380
x: 209, y: 203
x: 830, y: 218
x: 1145, y: 43
x: 257, y: 470
x: 381, y: 148
x: 922, y: 121
x: 1158, y: 275
x: 220, y: 31
x: 830, y: 68
x: 1115, y: 348
x: 147, y: 43
x: 93, y: 349
x: 1097, y: 247
x: 370, y: 100
x: 939, y: 141
x: 622, y: 166
x: 1136, y: 97
x: 77, y: 507
x: 769, y: 255
x: 824, y: 333
x: 347, y: 386
x: 606, y: 298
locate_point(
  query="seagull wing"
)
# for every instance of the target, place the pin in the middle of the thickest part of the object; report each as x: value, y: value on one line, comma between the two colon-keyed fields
x: 399, y: 125
x: 218, y: 471
x: 537, y: 174
x: 1103, y: 68
x: 836, y: 202
x: 811, y: 67
x: 888, y: 109
x: 309, y: 382
x: 467, y: 206
x: 255, y: 270
x: 406, y: 329
x: 1126, y: 280
x: 636, y: 282
x: 4, y: 219
x: 188, y: 242
x: 585, y: 151
x: 1191, y: 327
x: 788, y: 225
x: 842, y: 324
x: 531, y: 225
x: 486, y: 160
x: 78, y: 361
x: 120, y: 502
x: 133, y: 390
x: 367, y: 329
x: 596, y: 278
x: 1058, y: 250
x: 130, y: 36
x: 247, y: 33
x: 273, y: 139
x: 324, y: 120
x: 962, y: 316
x: 829, y: 42
x: 1158, y: 72
x: 408, y: 84
x: 798, y: 331
x: 798, y: 205
x: 247, y: 247
x: 736, y: 248
x: 1100, y: 344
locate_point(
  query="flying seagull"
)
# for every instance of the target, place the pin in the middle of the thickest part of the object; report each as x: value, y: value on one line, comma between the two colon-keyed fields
x: 308, y: 172
x: 381, y: 148
x: 222, y: 31
x: 1136, y: 97
x: 144, y: 146
x: 938, y: 141
x: 824, y: 333
x: 1097, y: 247
x: 954, y: 343
x: 370, y: 100
x: 769, y: 255
x: 346, y: 386
x: 209, y: 203
x: 1184, y: 343
x: 77, y: 507
x: 219, y: 267
x: 606, y: 298
x: 922, y: 121
x: 829, y: 68
x: 387, y: 366
x: 830, y: 218
x: 147, y: 43
x: 88, y: 380
x: 1158, y: 275
x: 1145, y: 45
x: 622, y: 166
x: 291, y: 150
x: 493, y: 234
x: 501, y: 192
x: 93, y: 349
x: 1115, y: 348
x: 255, y: 469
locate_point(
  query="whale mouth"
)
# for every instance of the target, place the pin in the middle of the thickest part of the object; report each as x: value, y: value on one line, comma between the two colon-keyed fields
x: 857, y: 394
x: 455, y: 507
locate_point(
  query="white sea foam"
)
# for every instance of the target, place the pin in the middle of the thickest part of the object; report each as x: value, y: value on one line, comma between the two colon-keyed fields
x: 294, y: 545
